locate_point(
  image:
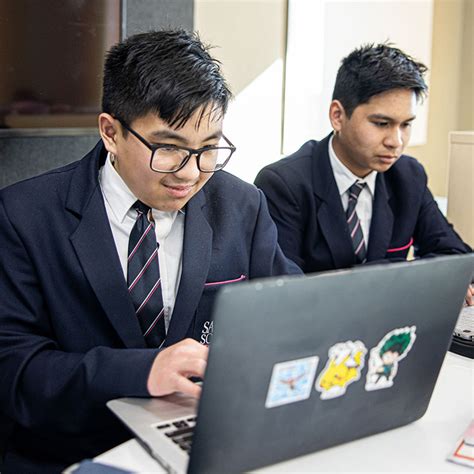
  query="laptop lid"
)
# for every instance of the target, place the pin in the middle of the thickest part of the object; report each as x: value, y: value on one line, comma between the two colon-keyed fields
x: 301, y: 364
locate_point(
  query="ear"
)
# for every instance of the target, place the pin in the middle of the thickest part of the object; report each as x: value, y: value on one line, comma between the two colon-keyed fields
x: 337, y: 115
x: 109, y: 130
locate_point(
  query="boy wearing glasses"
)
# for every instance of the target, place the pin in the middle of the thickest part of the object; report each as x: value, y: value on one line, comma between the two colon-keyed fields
x: 110, y: 265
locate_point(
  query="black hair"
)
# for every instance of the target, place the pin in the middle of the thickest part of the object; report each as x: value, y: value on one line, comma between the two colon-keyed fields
x: 169, y: 73
x: 397, y: 343
x: 373, y: 69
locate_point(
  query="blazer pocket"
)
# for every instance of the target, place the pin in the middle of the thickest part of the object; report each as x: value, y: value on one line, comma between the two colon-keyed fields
x: 225, y: 282
x: 402, y: 251
x: 203, y: 327
x: 401, y: 248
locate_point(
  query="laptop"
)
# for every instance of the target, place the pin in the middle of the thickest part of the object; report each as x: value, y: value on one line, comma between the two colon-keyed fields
x: 299, y: 364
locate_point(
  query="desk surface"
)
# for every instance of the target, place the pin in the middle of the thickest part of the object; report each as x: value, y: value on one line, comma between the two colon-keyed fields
x: 419, y: 447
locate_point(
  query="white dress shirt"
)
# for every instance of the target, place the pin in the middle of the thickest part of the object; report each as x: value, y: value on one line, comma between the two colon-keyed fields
x: 169, y: 229
x: 344, y: 180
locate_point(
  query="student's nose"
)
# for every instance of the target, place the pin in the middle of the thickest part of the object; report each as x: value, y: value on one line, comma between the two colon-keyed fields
x: 190, y: 171
x: 394, y: 139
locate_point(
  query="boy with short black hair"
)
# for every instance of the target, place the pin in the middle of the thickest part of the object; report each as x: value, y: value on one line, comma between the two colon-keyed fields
x: 110, y: 265
x: 353, y: 197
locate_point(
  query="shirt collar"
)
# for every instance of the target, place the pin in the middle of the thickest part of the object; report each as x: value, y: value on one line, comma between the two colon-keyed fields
x: 116, y: 192
x: 344, y: 177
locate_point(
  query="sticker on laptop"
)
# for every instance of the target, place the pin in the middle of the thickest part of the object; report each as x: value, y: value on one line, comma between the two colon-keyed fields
x: 291, y: 381
x: 385, y: 357
x: 345, y: 363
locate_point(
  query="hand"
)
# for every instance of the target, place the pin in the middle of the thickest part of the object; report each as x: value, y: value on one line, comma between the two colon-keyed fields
x: 174, y: 365
x: 470, y: 295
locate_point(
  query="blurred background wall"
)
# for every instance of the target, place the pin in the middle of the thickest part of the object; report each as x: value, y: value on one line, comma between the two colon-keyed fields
x: 251, y: 42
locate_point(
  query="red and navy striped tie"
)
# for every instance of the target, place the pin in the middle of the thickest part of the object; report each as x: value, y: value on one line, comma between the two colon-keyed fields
x: 353, y: 223
x: 143, y: 278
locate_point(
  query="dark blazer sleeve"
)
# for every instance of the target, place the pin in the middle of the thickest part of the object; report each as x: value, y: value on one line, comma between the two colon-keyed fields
x: 287, y: 211
x: 434, y: 235
x: 43, y: 386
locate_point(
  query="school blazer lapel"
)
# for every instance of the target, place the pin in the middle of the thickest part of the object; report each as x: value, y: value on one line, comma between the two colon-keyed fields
x: 330, y: 213
x: 197, y: 250
x: 381, y: 227
x: 95, y: 248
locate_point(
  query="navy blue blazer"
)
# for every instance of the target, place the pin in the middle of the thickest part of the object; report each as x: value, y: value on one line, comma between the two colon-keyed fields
x: 305, y: 204
x: 69, y: 338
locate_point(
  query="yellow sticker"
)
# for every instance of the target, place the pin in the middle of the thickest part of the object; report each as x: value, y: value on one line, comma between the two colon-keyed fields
x: 344, y: 365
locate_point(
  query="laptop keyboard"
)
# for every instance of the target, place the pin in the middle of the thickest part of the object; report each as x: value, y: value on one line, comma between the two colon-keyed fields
x: 179, y: 431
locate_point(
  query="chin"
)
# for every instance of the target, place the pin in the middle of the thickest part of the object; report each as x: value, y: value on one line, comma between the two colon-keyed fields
x: 385, y: 168
x: 172, y: 206
x: 382, y: 167
x: 167, y: 208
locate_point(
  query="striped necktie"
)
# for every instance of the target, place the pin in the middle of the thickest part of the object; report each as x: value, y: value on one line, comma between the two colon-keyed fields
x: 143, y: 278
x: 353, y: 223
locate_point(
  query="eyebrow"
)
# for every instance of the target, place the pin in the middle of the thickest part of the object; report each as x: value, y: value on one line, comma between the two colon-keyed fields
x: 386, y: 118
x: 170, y: 135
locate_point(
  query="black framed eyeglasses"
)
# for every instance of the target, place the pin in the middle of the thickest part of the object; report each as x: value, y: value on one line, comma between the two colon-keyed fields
x: 168, y: 158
